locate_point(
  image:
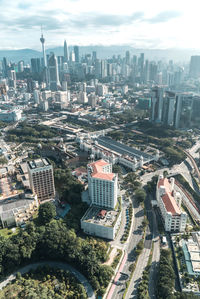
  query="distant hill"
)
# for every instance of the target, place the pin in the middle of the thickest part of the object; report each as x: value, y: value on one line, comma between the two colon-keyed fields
x: 17, y: 55
x: 182, y: 55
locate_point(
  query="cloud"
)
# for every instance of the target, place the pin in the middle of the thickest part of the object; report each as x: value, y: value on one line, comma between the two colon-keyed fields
x: 24, y: 5
x: 164, y: 16
x: 105, y: 20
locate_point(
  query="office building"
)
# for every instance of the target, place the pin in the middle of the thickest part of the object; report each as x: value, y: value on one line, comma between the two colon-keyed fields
x: 53, y: 73
x: 195, y: 66
x: 41, y: 178
x: 157, y: 104
x: 76, y: 53
x: 35, y: 65
x: 102, y: 184
x: 183, y: 110
x: 21, y: 66
x: 66, y: 54
x: 92, y: 100
x: 5, y: 67
x: 169, y: 202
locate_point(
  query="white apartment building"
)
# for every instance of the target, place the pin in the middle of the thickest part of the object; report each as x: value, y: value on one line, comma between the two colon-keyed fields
x: 41, y: 178
x: 169, y: 202
x: 102, y: 184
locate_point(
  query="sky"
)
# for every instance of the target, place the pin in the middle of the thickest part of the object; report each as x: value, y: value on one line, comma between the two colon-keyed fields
x: 155, y: 24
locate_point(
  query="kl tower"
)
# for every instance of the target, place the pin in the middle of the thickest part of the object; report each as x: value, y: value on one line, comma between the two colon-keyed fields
x: 42, y: 39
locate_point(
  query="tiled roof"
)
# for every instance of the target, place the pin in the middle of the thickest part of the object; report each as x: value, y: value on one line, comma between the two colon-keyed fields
x: 97, y: 170
x: 168, y: 198
x: 104, y: 176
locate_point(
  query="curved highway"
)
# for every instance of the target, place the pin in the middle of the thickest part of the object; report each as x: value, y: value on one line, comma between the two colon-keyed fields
x: 59, y: 265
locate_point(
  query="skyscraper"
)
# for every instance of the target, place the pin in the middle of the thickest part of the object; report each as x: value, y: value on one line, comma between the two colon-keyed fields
x: 5, y: 67
x: 195, y: 66
x: 66, y: 54
x: 53, y: 73
x: 128, y: 58
x: 76, y: 52
x: 169, y: 108
x: 35, y: 65
x: 156, y: 104
x: 20, y: 66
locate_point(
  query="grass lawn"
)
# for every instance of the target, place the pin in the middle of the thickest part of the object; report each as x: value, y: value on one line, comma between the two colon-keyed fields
x: 7, y: 232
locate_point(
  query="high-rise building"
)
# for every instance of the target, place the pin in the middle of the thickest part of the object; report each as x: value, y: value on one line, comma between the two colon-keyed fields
x: 53, y: 73
x: 195, y: 66
x: 21, y: 66
x: 35, y: 65
x: 76, y: 52
x: 157, y: 104
x: 66, y: 54
x: 141, y: 67
x: 103, y: 68
x: 183, y: 110
x: 102, y: 184
x: 94, y: 56
x: 5, y: 67
x: 41, y: 178
x: 169, y: 108
x: 92, y: 100
x: 128, y: 58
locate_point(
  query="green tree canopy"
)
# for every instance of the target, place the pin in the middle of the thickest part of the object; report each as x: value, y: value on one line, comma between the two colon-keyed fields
x: 47, y: 212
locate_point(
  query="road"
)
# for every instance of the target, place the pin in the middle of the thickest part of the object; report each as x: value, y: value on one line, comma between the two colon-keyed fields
x: 135, y: 237
x: 59, y: 265
x: 155, y: 259
x: 141, y: 264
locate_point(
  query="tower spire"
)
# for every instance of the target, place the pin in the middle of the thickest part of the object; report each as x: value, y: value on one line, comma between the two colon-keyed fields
x: 42, y: 40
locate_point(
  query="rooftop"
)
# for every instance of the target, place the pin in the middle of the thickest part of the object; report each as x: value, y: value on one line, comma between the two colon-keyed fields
x: 38, y: 163
x: 98, y: 172
x: 123, y: 149
x: 100, y: 216
x: 168, y: 198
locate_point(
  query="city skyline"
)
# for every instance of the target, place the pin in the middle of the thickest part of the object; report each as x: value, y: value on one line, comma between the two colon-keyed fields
x: 144, y: 24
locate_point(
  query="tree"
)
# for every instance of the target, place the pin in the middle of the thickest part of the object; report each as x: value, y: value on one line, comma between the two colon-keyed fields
x: 140, y: 195
x: 47, y: 212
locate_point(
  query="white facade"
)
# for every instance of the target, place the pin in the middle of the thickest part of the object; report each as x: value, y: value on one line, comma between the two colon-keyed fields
x: 10, y: 116
x: 169, y: 203
x: 102, y: 184
x: 99, y: 230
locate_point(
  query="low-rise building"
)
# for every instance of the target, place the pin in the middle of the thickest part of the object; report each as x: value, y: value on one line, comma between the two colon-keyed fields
x: 17, y: 210
x: 169, y: 202
x: 10, y: 115
x: 101, y: 222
